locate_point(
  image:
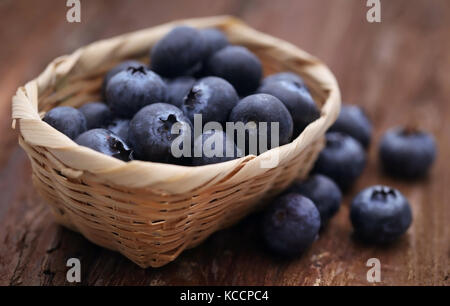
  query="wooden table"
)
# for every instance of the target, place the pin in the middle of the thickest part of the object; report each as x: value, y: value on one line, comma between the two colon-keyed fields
x: 399, y: 70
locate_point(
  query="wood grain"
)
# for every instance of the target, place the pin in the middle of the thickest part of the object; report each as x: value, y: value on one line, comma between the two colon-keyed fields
x: 397, y: 70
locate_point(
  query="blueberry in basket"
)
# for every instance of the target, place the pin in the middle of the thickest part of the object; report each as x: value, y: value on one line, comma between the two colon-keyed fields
x: 407, y: 152
x: 291, y: 225
x: 68, y: 120
x: 116, y: 69
x: 214, y: 40
x: 237, y: 65
x: 283, y: 76
x: 324, y: 193
x: 178, y: 88
x: 105, y: 142
x: 132, y: 89
x: 262, y: 108
x: 353, y: 121
x: 119, y: 127
x: 213, y: 147
x: 212, y: 97
x: 97, y: 114
x: 150, y: 133
x: 296, y: 97
x: 180, y: 52
x: 343, y: 159
x: 380, y: 214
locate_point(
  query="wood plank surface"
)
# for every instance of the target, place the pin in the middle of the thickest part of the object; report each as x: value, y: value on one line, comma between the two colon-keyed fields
x: 398, y: 70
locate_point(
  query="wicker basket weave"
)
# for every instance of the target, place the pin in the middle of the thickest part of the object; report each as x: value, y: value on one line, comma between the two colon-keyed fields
x: 151, y: 212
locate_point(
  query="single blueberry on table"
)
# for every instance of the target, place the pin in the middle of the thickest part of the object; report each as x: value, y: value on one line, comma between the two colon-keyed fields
x: 132, y: 89
x: 407, y: 152
x: 105, y: 142
x: 212, y: 97
x: 68, y: 120
x: 178, y: 53
x: 238, y: 66
x: 178, y: 88
x: 297, y: 99
x: 324, y: 193
x: 97, y: 114
x: 353, y: 121
x: 284, y: 76
x: 150, y: 132
x: 343, y: 159
x: 380, y: 214
x: 119, y: 68
x: 291, y: 225
x: 263, y: 108
x: 119, y: 127
x: 211, y: 154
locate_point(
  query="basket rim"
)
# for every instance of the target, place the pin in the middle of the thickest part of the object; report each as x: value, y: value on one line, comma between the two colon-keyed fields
x: 75, y: 160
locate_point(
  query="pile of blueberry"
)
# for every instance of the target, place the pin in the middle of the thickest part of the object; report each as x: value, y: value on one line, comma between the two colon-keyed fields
x: 191, y: 72
x: 199, y: 72
x: 379, y: 214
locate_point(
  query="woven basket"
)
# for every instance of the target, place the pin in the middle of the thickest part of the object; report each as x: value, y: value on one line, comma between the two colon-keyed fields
x: 151, y: 212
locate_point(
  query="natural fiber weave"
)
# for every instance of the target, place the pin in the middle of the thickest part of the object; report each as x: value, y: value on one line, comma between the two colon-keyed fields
x: 151, y: 212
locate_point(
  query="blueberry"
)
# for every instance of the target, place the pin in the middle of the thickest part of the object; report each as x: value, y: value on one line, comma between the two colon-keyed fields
x: 212, y: 97
x: 238, y: 66
x: 119, y: 68
x: 178, y: 88
x: 291, y: 225
x: 105, y: 142
x: 353, y: 121
x: 380, y: 214
x: 132, y: 89
x: 68, y: 120
x: 179, y: 52
x: 150, y: 133
x: 407, y: 152
x: 297, y: 99
x: 206, y: 144
x: 284, y: 76
x: 214, y: 40
x: 324, y: 193
x: 97, y: 114
x: 120, y: 127
x: 343, y: 159
x: 263, y: 108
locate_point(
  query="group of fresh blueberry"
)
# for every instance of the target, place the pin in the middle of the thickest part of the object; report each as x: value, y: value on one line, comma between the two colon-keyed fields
x: 199, y: 72
x: 379, y: 214
x: 191, y: 72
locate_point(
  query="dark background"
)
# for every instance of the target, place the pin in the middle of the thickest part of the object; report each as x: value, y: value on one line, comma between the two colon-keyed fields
x: 398, y: 70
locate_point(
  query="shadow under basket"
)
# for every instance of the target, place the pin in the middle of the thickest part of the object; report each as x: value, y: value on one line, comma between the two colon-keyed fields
x: 151, y: 212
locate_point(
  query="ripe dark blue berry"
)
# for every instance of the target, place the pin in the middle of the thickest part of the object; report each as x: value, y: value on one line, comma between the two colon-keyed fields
x: 178, y: 88
x: 214, y: 40
x: 68, y: 120
x: 97, y: 114
x: 263, y: 108
x: 291, y: 224
x: 353, y: 121
x: 238, y: 66
x: 132, y: 89
x: 407, y: 153
x: 150, y: 133
x: 119, y: 68
x: 343, y: 159
x: 120, y: 127
x: 296, y: 98
x: 212, y: 154
x: 179, y: 52
x: 212, y: 97
x: 324, y: 193
x: 380, y: 214
x: 284, y: 76
x: 105, y: 142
